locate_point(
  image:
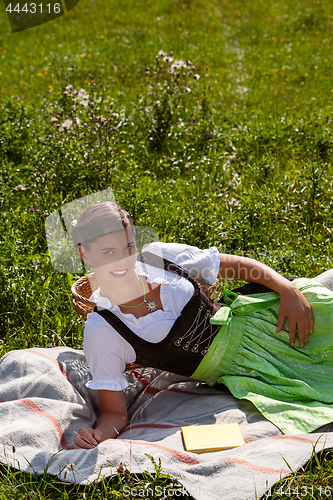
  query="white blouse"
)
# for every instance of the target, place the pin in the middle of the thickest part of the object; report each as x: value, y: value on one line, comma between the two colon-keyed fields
x: 106, y: 351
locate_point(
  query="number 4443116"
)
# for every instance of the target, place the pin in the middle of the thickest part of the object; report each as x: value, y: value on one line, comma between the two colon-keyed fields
x: 318, y: 490
x: 32, y: 8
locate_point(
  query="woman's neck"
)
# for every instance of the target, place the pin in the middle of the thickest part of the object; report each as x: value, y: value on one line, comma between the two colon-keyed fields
x: 131, y: 291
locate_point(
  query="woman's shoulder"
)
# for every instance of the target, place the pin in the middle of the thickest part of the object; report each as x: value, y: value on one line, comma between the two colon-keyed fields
x: 166, y: 247
x: 202, y: 265
x: 178, y: 251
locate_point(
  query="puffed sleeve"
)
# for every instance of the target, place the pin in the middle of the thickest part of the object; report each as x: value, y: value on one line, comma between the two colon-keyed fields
x: 106, y: 353
x: 202, y: 265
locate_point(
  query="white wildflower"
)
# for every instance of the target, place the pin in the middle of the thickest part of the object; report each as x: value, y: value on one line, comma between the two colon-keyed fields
x: 54, y: 119
x: 82, y: 94
x: 196, y: 77
x: 161, y: 53
x: 83, y: 97
x: 187, y: 90
x: 69, y: 87
x: 177, y: 64
x: 69, y: 123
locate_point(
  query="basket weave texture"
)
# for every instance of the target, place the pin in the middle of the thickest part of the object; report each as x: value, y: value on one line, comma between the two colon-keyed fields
x: 81, y: 291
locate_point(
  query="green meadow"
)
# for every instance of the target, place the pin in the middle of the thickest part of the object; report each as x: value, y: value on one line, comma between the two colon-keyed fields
x: 210, y: 120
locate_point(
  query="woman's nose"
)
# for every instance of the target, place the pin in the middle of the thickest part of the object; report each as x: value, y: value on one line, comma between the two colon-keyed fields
x: 122, y: 262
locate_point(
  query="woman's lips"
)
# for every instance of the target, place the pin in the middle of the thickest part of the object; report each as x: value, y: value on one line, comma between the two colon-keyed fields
x: 121, y: 275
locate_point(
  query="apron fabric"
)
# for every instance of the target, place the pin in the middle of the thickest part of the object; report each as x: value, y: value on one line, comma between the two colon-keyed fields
x: 291, y: 386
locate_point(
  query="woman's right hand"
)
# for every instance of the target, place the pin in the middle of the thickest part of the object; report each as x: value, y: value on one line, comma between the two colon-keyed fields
x: 111, y: 421
x: 86, y: 438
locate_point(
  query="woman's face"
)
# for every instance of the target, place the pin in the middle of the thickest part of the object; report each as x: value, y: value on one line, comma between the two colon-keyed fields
x: 113, y: 255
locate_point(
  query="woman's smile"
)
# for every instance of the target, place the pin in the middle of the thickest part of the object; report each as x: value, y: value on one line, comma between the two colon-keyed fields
x: 119, y: 274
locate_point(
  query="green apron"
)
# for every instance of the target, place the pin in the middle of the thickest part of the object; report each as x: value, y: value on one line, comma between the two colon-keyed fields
x: 291, y: 386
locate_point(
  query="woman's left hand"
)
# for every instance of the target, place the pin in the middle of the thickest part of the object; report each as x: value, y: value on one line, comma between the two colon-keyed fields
x: 295, y: 307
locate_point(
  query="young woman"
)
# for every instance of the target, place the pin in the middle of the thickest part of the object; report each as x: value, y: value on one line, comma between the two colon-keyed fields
x: 149, y: 309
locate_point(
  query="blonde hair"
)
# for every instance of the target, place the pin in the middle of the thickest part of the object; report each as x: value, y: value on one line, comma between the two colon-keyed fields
x: 97, y: 220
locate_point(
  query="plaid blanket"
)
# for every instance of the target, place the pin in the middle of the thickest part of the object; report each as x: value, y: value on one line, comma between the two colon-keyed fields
x: 44, y: 401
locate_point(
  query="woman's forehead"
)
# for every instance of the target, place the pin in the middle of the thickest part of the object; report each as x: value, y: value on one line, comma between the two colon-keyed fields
x: 117, y: 238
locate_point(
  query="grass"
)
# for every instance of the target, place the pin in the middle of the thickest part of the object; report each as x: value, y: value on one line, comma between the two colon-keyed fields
x: 312, y: 482
x: 240, y: 157
x: 20, y: 485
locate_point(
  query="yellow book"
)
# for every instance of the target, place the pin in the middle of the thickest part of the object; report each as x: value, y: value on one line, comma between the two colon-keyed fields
x: 212, y: 437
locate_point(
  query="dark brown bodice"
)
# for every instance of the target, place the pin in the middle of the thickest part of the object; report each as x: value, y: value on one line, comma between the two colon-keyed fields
x: 188, y: 339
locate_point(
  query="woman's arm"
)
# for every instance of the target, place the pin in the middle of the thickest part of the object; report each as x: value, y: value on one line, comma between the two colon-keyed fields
x: 112, y: 420
x: 293, y: 305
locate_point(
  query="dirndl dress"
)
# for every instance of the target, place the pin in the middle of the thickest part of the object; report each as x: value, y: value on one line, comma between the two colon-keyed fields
x: 291, y: 386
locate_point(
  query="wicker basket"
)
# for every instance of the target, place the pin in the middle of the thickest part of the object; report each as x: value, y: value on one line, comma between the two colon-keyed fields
x: 81, y: 291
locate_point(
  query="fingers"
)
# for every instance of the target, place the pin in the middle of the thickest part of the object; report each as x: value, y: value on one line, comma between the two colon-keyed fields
x: 305, y: 327
x: 74, y: 446
x: 98, y: 436
x: 300, y: 316
x: 279, y: 325
x: 292, y: 327
x: 292, y: 332
x: 301, y: 334
x: 85, y: 439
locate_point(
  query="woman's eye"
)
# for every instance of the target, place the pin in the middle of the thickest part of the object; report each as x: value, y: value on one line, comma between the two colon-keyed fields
x: 127, y: 249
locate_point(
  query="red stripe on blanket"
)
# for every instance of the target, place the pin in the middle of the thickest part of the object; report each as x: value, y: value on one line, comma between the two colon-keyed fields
x: 37, y: 409
x: 298, y: 438
x: 151, y: 390
x: 149, y: 426
x: 183, y: 457
x: 253, y: 466
x: 139, y: 377
x: 60, y: 365
x: 2, y: 401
